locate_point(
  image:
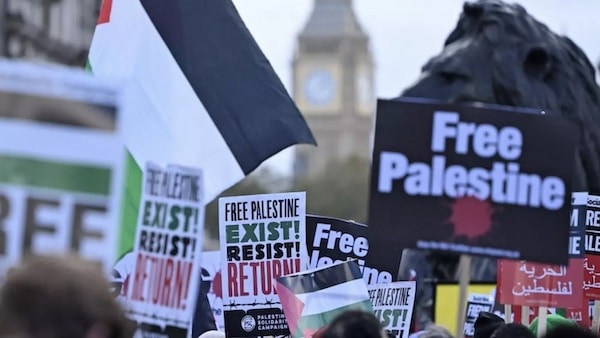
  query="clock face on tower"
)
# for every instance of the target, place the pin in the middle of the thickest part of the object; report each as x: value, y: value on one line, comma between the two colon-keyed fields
x: 319, y: 87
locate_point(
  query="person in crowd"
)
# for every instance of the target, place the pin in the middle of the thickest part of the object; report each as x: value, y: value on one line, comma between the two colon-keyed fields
x: 212, y: 334
x: 553, y: 321
x: 512, y: 330
x: 203, y: 320
x: 569, y: 331
x: 60, y: 297
x: 416, y: 334
x: 355, y: 324
x: 435, y: 331
x: 485, y: 324
x: 319, y: 332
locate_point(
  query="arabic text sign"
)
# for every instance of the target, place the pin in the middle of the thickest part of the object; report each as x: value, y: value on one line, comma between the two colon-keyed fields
x: 591, y: 271
x: 60, y: 183
x: 393, y: 304
x: 476, y: 303
x: 469, y: 180
x: 331, y: 240
x: 262, y: 237
x: 581, y: 314
x: 531, y: 284
x: 167, y: 248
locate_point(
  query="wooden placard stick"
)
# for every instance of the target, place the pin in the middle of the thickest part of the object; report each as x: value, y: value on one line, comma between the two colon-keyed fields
x: 507, y: 313
x: 525, y: 315
x: 542, y: 321
x: 596, y: 318
x: 464, y: 279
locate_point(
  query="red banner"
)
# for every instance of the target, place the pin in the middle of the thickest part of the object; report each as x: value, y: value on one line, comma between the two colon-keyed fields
x: 591, y: 277
x: 532, y: 284
x: 533, y: 313
x: 580, y: 315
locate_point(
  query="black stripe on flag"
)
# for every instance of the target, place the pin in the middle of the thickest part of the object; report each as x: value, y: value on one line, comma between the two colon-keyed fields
x: 227, y: 70
x: 322, y: 279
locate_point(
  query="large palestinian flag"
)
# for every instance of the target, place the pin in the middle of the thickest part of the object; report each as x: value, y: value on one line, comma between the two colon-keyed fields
x: 312, y: 299
x: 204, y: 94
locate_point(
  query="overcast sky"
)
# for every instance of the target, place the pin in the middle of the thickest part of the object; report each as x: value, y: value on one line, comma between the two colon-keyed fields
x: 403, y: 33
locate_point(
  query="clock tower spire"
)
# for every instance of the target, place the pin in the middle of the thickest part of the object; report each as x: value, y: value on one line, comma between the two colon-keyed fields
x: 333, y: 78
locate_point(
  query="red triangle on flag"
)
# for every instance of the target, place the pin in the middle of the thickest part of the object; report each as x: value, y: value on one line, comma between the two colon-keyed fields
x: 292, y: 306
x: 104, y: 15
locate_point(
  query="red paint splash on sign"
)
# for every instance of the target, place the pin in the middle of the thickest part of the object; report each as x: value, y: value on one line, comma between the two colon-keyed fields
x: 471, y: 217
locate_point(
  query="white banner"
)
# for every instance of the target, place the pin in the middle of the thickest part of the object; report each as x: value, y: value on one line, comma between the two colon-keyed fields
x: 61, y: 163
x: 168, y: 246
x: 393, y: 304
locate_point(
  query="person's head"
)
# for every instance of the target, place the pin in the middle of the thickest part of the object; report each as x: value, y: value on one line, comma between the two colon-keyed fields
x: 512, y: 330
x: 569, y: 331
x: 60, y: 297
x: 435, y: 331
x: 212, y: 334
x: 355, y: 324
x: 485, y: 324
x: 552, y: 322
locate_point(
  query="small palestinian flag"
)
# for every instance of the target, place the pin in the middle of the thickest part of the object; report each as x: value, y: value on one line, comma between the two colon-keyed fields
x: 312, y: 299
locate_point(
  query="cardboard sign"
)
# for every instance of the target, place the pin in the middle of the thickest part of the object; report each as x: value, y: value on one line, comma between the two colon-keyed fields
x: 61, y: 164
x: 533, y: 284
x: 582, y: 314
x: 476, y: 303
x: 446, y: 302
x: 332, y: 240
x: 591, y: 268
x: 262, y: 237
x: 393, y: 304
x: 163, y: 287
x: 470, y: 180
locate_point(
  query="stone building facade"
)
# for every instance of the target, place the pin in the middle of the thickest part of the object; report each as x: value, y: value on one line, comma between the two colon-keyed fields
x: 48, y: 30
x: 333, y: 85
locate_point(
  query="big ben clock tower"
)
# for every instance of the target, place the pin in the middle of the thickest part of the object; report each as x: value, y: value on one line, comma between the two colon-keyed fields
x: 333, y: 86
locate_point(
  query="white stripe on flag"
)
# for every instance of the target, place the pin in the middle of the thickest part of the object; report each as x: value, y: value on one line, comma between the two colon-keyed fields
x: 334, y: 297
x: 166, y: 122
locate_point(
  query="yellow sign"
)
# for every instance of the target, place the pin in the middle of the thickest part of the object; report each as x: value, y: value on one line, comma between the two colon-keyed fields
x: 446, y: 303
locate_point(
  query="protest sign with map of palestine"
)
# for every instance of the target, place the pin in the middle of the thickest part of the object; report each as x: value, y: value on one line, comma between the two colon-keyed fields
x: 393, y: 305
x: 168, y: 245
x: 262, y: 238
x: 61, y: 164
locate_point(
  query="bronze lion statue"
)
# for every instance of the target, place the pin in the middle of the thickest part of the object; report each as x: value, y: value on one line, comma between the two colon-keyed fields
x: 499, y: 54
